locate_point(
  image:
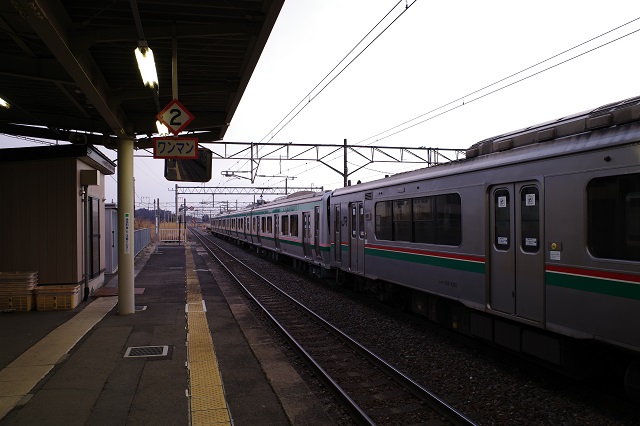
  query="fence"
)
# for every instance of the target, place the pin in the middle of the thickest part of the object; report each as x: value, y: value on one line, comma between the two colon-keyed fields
x: 141, y: 238
x: 171, y: 235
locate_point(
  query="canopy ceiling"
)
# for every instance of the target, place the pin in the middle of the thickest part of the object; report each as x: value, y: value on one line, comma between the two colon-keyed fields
x: 68, y: 69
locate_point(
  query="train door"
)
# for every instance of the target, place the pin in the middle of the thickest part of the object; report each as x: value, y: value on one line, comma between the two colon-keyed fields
x: 516, y: 261
x: 356, y: 237
x: 258, y: 230
x: 316, y: 232
x: 244, y: 228
x: 306, y: 234
x: 337, y: 235
x: 276, y: 230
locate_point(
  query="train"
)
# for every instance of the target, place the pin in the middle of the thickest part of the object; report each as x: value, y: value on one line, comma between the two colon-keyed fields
x: 531, y: 242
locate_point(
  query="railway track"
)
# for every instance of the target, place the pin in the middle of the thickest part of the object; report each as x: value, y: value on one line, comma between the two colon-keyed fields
x: 372, y: 390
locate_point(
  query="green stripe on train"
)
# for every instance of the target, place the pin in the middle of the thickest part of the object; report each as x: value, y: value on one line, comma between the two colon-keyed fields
x: 460, y: 265
x: 594, y: 285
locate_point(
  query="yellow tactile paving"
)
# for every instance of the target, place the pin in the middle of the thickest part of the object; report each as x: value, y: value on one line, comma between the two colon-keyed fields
x: 210, y: 417
x: 208, y: 405
x: 201, y: 404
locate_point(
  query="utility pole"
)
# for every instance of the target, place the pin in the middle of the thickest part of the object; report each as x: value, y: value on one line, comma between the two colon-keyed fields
x: 346, y: 171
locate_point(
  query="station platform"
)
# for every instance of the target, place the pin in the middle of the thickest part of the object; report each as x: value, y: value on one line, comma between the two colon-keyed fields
x: 192, y: 353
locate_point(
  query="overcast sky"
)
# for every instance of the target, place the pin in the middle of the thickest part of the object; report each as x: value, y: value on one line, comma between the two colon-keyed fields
x: 435, y: 53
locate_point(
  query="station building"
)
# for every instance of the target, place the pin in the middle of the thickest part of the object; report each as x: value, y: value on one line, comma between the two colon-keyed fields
x: 54, y: 208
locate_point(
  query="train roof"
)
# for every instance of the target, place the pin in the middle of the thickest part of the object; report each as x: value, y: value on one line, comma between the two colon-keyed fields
x: 608, y: 115
x: 620, y: 121
x: 294, y: 198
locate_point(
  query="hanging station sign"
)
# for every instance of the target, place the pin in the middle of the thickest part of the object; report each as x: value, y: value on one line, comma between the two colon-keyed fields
x: 175, y: 148
x: 176, y: 117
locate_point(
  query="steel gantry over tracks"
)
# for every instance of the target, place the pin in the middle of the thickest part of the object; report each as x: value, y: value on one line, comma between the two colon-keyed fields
x: 228, y: 190
x: 324, y: 153
x: 261, y: 190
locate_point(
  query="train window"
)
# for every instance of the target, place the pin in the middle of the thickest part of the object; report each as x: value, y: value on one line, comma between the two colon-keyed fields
x: 270, y: 225
x: 613, y: 217
x: 424, y: 220
x: 430, y: 220
x: 502, y: 219
x: 254, y: 224
x: 354, y: 231
x: 361, y: 220
x: 337, y: 237
x: 294, y: 225
x: 285, y: 225
x: 448, y: 220
x: 384, y: 228
x: 263, y: 224
x: 402, y: 220
x: 530, y: 219
x: 306, y: 225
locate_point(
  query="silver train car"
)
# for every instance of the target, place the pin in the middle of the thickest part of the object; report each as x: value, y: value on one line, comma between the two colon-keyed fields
x: 290, y: 226
x: 530, y: 242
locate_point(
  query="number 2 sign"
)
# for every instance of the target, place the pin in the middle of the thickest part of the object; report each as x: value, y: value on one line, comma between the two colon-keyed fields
x: 175, y: 116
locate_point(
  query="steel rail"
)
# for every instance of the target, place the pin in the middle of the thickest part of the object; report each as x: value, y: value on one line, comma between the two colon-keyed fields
x: 359, y: 415
x: 434, y: 402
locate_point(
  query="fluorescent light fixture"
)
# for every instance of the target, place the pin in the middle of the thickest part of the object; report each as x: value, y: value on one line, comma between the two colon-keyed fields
x: 4, y: 103
x: 162, y: 129
x: 147, y: 65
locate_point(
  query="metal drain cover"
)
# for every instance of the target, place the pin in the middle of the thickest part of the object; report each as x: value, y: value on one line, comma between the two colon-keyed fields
x: 146, y: 351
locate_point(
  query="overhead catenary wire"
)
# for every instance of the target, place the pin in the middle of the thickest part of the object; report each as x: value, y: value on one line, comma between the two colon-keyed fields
x: 466, y: 100
x: 306, y: 100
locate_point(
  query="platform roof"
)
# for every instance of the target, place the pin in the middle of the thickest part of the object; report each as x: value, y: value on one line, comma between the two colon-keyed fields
x: 68, y: 68
x: 84, y: 153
